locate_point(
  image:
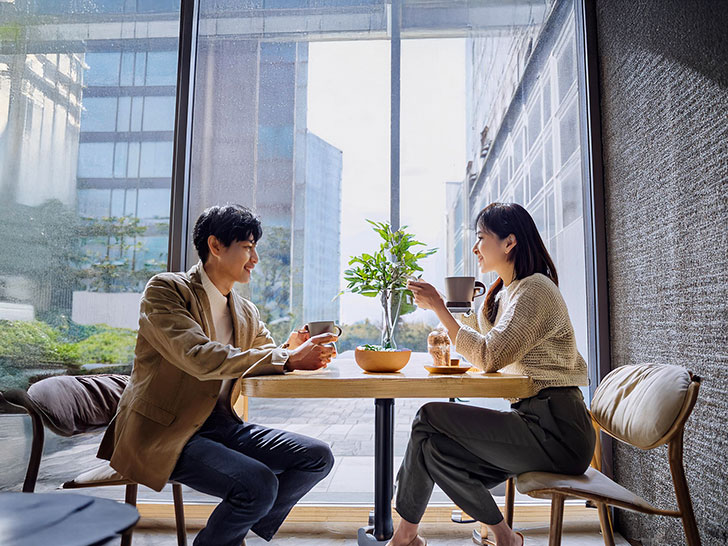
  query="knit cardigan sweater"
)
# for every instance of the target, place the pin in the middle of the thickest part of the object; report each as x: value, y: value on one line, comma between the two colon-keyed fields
x: 532, y: 336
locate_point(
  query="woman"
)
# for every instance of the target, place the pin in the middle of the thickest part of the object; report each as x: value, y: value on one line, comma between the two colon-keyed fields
x: 523, y: 327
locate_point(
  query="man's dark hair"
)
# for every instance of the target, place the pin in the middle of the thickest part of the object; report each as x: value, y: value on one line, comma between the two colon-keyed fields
x: 228, y: 223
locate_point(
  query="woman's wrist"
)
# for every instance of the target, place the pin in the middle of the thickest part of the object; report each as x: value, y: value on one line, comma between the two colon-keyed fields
x: 441, y: 312
x: 441, y: 309
x: 448, y: 321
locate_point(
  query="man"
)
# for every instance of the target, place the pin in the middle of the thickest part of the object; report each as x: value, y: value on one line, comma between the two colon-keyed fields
x: 197, y: 338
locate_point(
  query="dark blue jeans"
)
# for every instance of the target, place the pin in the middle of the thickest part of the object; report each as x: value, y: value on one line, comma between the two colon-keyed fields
x: 259, y: 473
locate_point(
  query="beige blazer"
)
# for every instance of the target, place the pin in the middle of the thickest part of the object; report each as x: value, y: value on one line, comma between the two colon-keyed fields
x: 177, y: 374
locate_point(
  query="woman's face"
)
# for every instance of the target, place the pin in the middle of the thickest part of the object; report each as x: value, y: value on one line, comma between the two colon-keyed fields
x: 490, y: 250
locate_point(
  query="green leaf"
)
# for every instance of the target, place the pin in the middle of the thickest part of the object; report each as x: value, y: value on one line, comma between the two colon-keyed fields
x: 386, y: 269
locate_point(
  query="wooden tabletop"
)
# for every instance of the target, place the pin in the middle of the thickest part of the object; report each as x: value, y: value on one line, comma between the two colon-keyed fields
x: 344, y: 379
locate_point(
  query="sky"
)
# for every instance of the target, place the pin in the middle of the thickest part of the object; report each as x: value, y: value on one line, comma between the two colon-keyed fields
x: 349, y: 107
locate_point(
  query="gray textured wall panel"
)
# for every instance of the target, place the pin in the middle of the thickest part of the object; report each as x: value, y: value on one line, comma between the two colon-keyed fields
x: 664, y: 93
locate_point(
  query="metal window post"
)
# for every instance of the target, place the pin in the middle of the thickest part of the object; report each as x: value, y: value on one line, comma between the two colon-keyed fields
x: 186, y: 61
x: 382, y: 529
x: 595, y: 234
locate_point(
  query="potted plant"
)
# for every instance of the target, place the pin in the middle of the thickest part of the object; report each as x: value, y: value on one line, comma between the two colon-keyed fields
x: 384, y: 275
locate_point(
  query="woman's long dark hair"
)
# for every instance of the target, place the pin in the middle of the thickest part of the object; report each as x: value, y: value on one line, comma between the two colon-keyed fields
x: 529, y: 256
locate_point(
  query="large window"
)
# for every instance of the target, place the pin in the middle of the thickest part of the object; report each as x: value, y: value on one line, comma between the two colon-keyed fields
x: 85, y: 175
x: 294, y: 121
x: 292, y: 116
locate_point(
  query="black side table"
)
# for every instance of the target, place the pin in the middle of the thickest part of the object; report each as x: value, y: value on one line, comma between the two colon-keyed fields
x: 29, y: 519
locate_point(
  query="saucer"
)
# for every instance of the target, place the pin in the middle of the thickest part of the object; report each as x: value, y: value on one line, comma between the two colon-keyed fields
x: 447, y: 369
x: 456, y: 307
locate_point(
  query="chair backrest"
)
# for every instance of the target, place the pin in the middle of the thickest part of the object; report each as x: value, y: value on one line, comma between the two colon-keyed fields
x: 72, y: 405
x: 644, y: 405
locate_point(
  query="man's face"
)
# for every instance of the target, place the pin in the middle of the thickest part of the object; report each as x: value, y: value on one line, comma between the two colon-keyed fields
x: 238, y: 260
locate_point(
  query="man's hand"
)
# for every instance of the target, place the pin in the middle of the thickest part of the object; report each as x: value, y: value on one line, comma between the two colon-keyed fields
x: 313, y: 354
x: 297, y: 338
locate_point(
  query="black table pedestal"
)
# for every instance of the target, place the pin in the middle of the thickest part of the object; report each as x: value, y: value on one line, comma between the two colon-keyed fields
x: 382, y: 530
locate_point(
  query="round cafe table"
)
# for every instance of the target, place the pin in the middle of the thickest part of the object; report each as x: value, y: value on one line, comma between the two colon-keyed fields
x: 63, y: 519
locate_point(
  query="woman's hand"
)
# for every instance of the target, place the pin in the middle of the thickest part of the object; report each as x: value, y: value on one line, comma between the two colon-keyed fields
x: 297, y: 338
x: 426, y: 295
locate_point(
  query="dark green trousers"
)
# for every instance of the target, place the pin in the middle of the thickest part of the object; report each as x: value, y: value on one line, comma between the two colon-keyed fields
x: 468, y: 450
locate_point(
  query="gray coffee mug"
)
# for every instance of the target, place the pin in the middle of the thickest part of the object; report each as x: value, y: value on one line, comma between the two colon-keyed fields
x: 323, y: 326
x: 460, y: 291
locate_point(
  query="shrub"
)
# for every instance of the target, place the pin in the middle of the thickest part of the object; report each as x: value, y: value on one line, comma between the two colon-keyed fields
x: 413, y: 335
x: 29, y: 343
x: 33, y: 350
x: 112, y: 346
x: 12, y: 378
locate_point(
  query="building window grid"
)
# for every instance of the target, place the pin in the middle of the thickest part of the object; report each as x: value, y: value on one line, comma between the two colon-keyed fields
x: 127, y: 109
x: 128, y: 152
x: 549, y: 195
x: 566, y: 166
x: 551, y: 187
x: 132, y: 68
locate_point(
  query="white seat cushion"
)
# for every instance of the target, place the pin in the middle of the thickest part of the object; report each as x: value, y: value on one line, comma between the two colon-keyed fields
x: 98, y: 476
x: 639, y: 404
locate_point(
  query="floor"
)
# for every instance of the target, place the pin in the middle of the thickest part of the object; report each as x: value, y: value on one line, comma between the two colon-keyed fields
x: 575, y: 534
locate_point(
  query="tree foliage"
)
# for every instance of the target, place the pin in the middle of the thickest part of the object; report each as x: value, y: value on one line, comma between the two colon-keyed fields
x: 116, y: 268
x: 270, y: 285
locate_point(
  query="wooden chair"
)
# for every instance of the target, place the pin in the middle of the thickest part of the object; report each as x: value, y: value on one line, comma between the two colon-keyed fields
x: 645, y: 406
x: 73, y: 405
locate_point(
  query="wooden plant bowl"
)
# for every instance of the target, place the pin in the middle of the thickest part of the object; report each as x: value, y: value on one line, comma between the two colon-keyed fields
x: 382, y: 361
